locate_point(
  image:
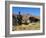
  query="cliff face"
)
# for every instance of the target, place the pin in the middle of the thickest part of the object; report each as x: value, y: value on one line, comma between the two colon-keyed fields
x: 25, y: 18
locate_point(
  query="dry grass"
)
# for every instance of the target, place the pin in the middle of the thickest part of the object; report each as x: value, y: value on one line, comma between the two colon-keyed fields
x: 30, y: 26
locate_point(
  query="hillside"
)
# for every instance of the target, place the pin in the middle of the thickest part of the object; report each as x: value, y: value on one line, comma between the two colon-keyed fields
x: 29, y: 26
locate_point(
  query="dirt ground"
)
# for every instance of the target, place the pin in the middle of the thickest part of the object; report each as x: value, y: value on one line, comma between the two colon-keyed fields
x: 30, y: 26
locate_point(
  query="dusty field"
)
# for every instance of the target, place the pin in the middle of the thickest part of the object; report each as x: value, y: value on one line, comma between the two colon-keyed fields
x: 30, y: 26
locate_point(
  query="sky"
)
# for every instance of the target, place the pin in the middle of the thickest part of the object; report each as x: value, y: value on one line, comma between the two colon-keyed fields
x: 26, y: 10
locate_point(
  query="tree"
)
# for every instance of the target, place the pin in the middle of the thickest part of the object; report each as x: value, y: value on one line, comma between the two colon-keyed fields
x: 19, y: 17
